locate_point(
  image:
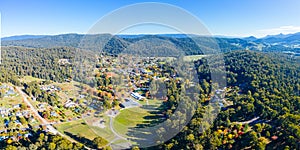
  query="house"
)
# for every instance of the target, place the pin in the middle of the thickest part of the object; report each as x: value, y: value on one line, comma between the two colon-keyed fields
x: 18, y: 114
x: 51, y: 88
x: 77, y: 110
x: 2, y: 138
x: 81, y: 96
x: 144, y: 71
x: 18, y: 123
x: 70, y: 104
x: 25, y: 113
x: 3, y: 87
x: 4, y: 111
x: 41, y: 106
x: 17, y: 106
x: 137, y: 96
x: 33, y: 98
x: 53, y: 114
x: 27, y: 135
x: 68, y: 80
x: 31, y: 119
x: 219, y: 91
x: 10, y: 92
x: 64, y: 62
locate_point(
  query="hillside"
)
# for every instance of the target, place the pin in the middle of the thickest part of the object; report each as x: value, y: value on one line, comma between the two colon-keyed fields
x: 116, y: 44
x: 263, y: 90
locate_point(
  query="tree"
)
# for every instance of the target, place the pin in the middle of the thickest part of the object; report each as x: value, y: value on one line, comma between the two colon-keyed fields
x: 11, y: 147
x: 135, y: 148
x: 23, y: 120
x: 33, y: 147
x: 52, y: 146
x: 190, y: 137
x: 115, y: 103
x: 99, y: 142
x: 11, y: 124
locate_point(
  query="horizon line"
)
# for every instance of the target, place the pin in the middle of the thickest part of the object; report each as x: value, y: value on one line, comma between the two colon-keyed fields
x: 132, y: 34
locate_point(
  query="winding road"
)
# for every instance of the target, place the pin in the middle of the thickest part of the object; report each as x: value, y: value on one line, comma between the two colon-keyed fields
x: 248, y: 121
x: 117, y: 136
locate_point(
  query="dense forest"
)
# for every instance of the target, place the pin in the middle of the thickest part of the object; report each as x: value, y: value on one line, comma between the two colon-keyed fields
x: 56, y: 64
x: 115, y: 44
x: 260, y: 85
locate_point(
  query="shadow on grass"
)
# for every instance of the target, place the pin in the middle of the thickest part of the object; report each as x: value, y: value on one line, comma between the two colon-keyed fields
x: 142, y: 132
x: 80, y: 139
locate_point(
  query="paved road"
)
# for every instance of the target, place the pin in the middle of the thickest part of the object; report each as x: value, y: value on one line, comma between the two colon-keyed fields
x: 124, y: 145
x: 249, y: 121
x: 48, y: 124
x: 111, y: 126
x: 36, y: 113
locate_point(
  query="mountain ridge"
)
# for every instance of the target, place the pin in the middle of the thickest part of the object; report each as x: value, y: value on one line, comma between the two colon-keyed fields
x: 117, y: 43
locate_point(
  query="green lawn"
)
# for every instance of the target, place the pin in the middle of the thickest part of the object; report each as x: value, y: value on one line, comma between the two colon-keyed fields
x: 154, y: 102
x: 76, y: 127
x: 129, y: 118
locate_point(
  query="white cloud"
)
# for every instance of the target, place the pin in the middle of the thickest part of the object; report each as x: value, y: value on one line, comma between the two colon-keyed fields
x: 274, y: 31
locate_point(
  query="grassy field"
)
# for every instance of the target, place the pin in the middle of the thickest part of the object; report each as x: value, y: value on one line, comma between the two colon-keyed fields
x: 193, y: 57
x: 153, y: 102
x: 76, y: 127
x: 129, y: 118
x: 9, y: 101
x: 69, y: 90
x: 185, y: 58
x: 27, y: 79
x: 103, y: 132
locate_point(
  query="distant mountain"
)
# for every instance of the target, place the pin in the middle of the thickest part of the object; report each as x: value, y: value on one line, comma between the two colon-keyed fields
x: 162, y: 35
x: 250, y: 38
x: 286, y: 39
x: 22, y: 37
x: 171, y: 43
x: 281, y: 36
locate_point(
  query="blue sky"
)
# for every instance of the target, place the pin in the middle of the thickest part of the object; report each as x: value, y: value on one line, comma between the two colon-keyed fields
x: 221, y: 17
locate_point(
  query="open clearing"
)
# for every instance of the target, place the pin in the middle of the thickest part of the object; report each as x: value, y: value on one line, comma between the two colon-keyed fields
x: 75, y: 128
x: 12, y: 100
x: 100, y: 131
x: 187, y: 58
x: 27, y: 79
x: 129, y: 118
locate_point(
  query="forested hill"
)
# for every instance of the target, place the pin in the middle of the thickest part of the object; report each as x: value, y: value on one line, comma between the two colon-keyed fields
x: 116, y: 44
x: 263, y: 103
